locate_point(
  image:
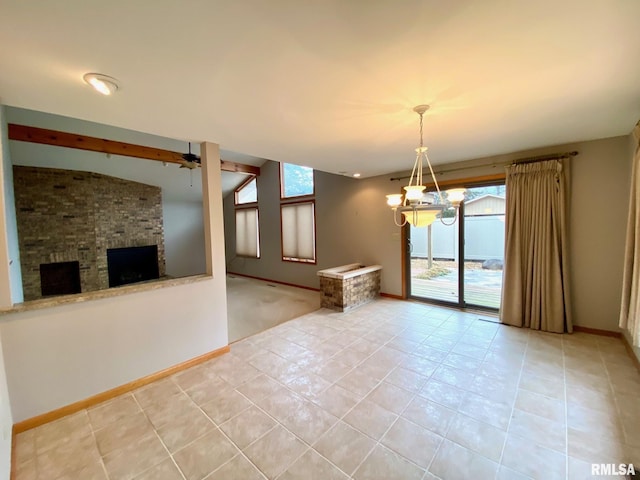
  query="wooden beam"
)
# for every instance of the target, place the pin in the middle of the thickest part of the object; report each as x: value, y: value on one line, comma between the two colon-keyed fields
x: 25, y: 133
x: 227, y: 166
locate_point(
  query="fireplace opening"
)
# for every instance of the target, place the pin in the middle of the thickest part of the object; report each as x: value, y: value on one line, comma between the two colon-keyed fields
x: 61, y: 278
x: 132, y: 265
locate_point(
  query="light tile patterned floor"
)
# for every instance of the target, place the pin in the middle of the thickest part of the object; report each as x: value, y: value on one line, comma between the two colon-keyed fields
x: 392, y: 390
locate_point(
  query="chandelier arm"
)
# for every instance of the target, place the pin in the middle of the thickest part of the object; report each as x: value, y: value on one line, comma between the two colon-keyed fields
x: 416, y: 165
x: 395, y: 210
x: 449, y: 224
x: 433, y: 176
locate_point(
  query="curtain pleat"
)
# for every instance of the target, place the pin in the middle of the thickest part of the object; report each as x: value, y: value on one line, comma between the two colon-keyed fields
x: 630, y: 304
x: 535, y: 290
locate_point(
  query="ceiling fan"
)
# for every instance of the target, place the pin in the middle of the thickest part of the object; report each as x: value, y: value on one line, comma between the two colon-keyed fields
x: 190, y: 160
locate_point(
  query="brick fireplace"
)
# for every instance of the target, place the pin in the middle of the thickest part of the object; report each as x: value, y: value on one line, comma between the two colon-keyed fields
x: 67, y: 216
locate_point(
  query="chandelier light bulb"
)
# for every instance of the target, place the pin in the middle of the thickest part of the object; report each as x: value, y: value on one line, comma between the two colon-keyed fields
x: 394, y: 200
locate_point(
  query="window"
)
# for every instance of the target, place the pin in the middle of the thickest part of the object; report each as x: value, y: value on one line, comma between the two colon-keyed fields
x: 247, y: 226
x: 295, y: 181
x: 297, y: 214
x: 247, y: 232
x: 298, y: 232
x: 247, y: 192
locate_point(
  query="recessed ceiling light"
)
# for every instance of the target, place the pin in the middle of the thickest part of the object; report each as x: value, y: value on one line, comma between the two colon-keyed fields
x: 357, y: 175
x: 101, y: 83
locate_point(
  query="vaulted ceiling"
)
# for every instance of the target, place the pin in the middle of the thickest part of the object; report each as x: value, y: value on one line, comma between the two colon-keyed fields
x: 331, y: 84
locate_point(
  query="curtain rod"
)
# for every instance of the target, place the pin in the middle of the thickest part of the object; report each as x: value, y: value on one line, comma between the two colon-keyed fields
x: 539, y: 158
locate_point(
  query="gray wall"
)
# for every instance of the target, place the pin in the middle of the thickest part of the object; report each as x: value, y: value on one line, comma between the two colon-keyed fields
x: 354, y: 224
x: 330, y: 249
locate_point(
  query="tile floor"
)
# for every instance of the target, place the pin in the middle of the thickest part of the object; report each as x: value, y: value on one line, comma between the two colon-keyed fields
x: 392, y: 390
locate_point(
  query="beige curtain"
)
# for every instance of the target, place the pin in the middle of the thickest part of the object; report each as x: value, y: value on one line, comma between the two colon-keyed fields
x: 630, y: 306
x: 535, y: 291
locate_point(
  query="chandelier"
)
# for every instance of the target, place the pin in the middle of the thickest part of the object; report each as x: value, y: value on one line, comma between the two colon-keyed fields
x: 416, y: 207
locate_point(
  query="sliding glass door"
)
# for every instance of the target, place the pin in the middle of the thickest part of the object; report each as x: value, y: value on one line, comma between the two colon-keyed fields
x: 461, y: 264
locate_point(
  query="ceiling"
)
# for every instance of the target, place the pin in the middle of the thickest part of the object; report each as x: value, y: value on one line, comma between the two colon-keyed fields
x: 331, y: 84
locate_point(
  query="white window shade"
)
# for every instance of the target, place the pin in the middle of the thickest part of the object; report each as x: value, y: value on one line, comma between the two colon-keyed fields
x: 247, y: 243
x: 298, y: 232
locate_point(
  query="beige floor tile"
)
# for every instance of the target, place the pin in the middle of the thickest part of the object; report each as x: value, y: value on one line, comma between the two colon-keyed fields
x: 405, y: 344
x: 124, y: 431
x: 384, y: 464
x: 68, y: 459
x: 164, y: 409
x: 470, y: 350
x: 597, y: 422
x: 390, y: 397
x: 26, y: 470
x: 430, y: 353
x: 237, y: 468
x: 281, y: 403
x: 539, y: 430
x: 549, y: 387
x: 203, y: 456
x: 370, y: 419
x: 443, y: 393
x: 595, y: 449
x: 165, y: 470
x: 308, y: 384
x: 207, y: 390
x: 525, y: 456
x: 486, y: 410
x: 239, y: 374
x: 193, y: 376
x: 501, y: 390
x: 259, y: 387
x: 113, y: 410
x: 69, y: 429
x: 358, y: 382
x: 412, y: 442
x: 540, y: 405
x: 581, y: 470
x: 275, y: 451
x: 454, y: 376
x: 183, y: 429
x: 406, y: 379
x: 505, y: 473
x: 430, y: 415
x: 336, y: 400
x: 477, y: 436
x: 134, y: 458
x: 463, y: 362
x: 312, y: 466
x: 225, y: 406
x: 247, y: 426
x: 332, y: 370
x: 308, y: 421
x: 151, y: 393
x: 25, y: 446
x: 419, y: 364
x: 344, y: 446
x: 454, y: 462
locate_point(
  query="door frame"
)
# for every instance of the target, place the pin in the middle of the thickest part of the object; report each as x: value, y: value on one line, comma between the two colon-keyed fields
x: 481, y: 181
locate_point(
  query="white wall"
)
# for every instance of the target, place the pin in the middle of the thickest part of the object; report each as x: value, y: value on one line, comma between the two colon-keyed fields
x: 181, y: 188
x: 354, y: 224
x: 60, y: 355
x: 7, y: 295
